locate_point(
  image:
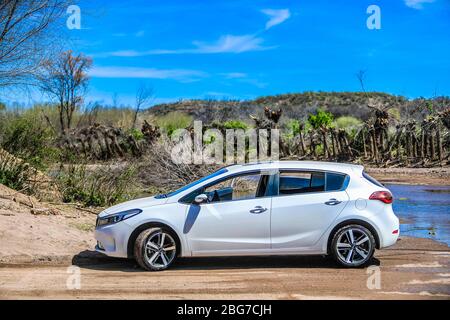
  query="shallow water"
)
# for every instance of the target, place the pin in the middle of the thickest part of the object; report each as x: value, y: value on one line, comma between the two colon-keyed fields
x: 424, y: 211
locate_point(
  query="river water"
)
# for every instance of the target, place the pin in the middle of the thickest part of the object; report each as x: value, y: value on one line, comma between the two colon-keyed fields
x: 424, y: 211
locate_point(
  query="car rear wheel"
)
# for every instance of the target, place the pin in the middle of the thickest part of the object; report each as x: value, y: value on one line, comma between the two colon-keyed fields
x: 353, y: 246
x: 155, y: 249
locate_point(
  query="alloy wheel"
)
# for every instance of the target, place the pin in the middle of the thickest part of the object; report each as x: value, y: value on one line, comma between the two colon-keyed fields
x: 353, y: 246
x: 160, y: 250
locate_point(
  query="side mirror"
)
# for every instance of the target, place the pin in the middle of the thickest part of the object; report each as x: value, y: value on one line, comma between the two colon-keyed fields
x: 201, y: 198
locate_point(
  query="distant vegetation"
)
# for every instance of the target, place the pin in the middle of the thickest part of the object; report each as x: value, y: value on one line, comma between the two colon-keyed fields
x: 299, y: 105
x: 173, y: 121
x: 373, y: 128
x: 93, y: 154
x: 378, y: 129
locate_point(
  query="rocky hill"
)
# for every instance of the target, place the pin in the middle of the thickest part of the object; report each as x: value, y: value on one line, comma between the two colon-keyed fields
x: 298, y: 105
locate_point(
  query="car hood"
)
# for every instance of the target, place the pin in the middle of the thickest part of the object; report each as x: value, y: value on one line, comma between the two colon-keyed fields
x: 134, y: 204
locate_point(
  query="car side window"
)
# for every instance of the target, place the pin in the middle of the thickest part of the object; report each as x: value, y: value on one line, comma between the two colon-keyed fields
x: 295, y: 182
x: 241, y: 187
x: 238, y: 187
x: 335, y: 181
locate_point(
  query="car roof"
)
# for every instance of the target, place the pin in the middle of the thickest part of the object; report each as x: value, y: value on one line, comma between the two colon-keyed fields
x: 306, y: 165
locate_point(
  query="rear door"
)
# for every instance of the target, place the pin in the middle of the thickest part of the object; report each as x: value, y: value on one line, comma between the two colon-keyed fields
x: 306, y: 205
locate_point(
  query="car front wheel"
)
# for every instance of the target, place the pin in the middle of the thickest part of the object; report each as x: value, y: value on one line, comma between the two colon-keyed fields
x: 155, y: 249
x: 353, y: 246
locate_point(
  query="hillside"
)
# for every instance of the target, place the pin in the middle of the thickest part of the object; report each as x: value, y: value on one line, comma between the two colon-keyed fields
x: 298, y: 105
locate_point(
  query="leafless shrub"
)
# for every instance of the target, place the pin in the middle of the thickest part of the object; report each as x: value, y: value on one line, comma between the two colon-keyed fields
x: 157, y: 165
x: 97, y: 186
x: 144, y: 96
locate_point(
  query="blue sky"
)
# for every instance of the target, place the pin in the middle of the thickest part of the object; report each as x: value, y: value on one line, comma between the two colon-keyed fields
x: 245, y: 49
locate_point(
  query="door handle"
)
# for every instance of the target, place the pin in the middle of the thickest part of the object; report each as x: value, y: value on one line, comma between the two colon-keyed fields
x: 332, y: 202
x: 258, y: 209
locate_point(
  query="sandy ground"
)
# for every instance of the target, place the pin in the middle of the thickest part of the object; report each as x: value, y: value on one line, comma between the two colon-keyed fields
x: 413, y: 269
x: 41, y: 256
x: 31, y: 238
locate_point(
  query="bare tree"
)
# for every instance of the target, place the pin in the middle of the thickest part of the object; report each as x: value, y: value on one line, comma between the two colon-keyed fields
x: 26, y: 37
x: 361, y: 75
x: 144, y: 96
x: 65, y: 80
x: 115, y: 100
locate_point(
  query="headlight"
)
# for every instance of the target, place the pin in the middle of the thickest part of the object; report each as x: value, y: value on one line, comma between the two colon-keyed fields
x: 117, y: 217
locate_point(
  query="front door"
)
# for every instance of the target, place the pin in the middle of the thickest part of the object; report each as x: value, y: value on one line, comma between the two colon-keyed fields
x: 235, y: 219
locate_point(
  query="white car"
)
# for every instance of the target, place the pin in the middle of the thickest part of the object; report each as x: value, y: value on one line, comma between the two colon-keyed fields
x: 266, y: 208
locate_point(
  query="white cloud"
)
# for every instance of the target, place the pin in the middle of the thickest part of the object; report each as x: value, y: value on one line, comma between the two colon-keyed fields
x: 234, y: 75
x: 230, y: 44
x: 241, y: 77
x: 417, y: 4
x: 225, y: 44
x: 255, y: 82
x: 147, y: 73
x: 131, y: 53
x: 276, y: 16
x: 139, y: 34
x: 120, y: 53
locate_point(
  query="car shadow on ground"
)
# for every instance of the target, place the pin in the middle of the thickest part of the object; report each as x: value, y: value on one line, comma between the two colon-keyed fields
x: 96, y: 261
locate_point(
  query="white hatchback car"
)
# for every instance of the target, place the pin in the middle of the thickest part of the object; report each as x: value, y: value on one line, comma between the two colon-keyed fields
x: 266, y: 208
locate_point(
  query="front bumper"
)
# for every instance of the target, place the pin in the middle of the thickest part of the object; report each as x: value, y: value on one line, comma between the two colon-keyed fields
x: 112, y: 240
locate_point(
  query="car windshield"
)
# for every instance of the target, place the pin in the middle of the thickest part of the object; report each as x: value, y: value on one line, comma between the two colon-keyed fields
x: 188, y: 186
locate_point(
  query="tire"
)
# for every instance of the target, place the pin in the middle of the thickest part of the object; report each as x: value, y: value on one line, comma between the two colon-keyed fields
x: 356, y: 253
x: 150, y: 254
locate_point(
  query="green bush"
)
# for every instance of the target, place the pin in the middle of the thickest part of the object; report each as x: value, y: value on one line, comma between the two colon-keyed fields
x: 26, y: 136
x: 394, y: 113
x: 100, y: 187
x: 173, y: 121
x: 136, y: 133
x: 322, y: 119
x: 13, y: 175
x: 347, y: 122
x: 235, y: 124
x: 293, y: 127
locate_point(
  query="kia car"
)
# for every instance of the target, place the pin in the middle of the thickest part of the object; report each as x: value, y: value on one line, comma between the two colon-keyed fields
x: 264, y: 208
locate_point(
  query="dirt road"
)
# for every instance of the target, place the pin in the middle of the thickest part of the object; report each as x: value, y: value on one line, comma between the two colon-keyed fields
x: 413, y: 269
x: 40, y: 258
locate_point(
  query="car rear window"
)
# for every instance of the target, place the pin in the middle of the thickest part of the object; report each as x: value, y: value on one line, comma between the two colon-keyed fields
x: 372, y: 180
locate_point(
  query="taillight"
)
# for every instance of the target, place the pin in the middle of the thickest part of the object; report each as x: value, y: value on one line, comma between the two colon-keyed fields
x: 383, y: 196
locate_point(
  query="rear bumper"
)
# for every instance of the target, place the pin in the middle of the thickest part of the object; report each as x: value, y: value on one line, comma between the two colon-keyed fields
x: 390, y: 230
